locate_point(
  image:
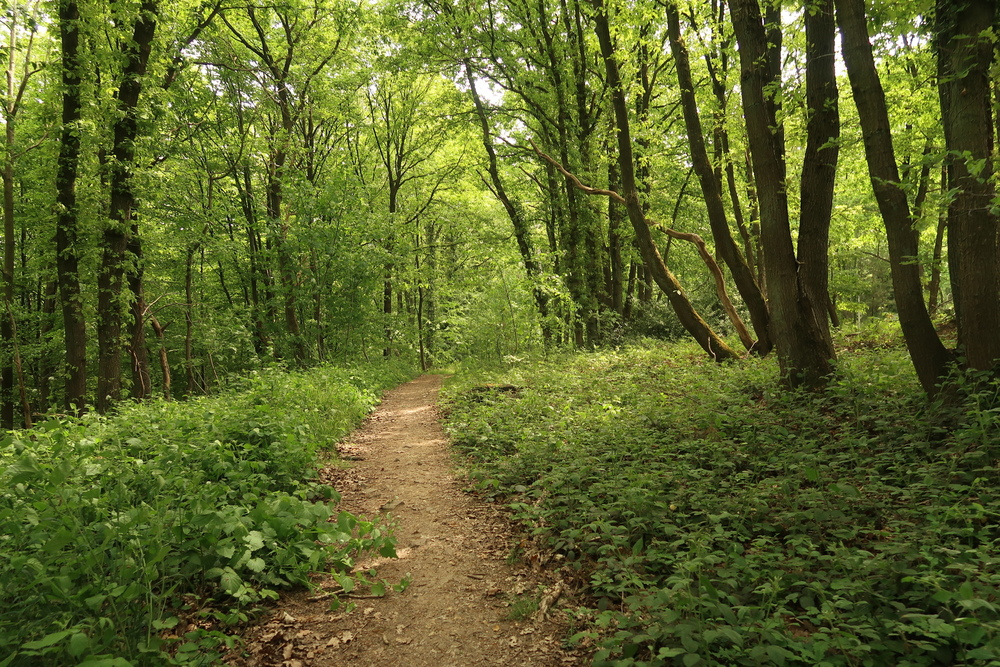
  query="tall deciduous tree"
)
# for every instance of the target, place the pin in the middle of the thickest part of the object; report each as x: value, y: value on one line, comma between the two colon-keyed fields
x: 805, y: 353
x: 67, y: 211
x: 711, y: 189
x: 966, y: 48
x: 22, y: 26
x: 930, y: 358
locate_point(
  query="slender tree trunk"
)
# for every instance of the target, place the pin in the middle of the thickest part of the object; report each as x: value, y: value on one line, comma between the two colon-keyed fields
x: 117, y: 242
x: 934, y: 286
x: 159, y: 330
x: 930, y: 358
x: 973, y: 224
x: 804, y: 352
x: 711, y: 189
x: 189, y: 319
x: 142, y: 387
x: 9, y: 257
x: 522, y: 233
x: 819, y: 165
x: 688, y: 316
x: 617, y: 219
x: 67, y: 214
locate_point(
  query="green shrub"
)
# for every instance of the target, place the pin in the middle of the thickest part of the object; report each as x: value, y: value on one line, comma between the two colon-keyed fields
x: 110, y: 530
x: 717, y: 520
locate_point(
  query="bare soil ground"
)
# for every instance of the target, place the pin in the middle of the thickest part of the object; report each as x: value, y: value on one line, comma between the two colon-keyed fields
x: 457, y: 611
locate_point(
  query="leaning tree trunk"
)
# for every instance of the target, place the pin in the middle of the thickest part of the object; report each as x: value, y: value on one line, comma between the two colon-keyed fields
x: 930, y: 358
x: 522, y: 232
x: 711, y: 189
x: 688, y: 316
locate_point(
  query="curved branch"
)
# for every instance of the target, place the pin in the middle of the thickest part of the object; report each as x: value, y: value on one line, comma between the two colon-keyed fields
x: 713, y: 266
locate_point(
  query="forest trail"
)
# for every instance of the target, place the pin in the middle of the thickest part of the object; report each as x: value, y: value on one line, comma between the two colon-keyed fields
x: 456, y: 612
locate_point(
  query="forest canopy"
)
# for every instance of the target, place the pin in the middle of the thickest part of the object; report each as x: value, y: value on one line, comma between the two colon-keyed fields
x: 195, y: 189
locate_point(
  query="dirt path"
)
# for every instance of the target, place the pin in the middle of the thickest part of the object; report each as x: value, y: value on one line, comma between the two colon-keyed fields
x: 456, y: 613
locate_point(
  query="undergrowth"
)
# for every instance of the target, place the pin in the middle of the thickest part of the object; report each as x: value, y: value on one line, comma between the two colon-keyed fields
x: 717, y: 520
x: 137, y: 539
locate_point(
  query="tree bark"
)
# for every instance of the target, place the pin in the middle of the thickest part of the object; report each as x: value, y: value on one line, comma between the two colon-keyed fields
x: 930, y: 358
x: 819, y: 165
x: 67, y: 213
x: 117, y: 235
x: 804, y: 352
x: 973, y: 224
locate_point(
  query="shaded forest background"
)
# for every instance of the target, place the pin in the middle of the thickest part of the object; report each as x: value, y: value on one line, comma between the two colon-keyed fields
x: 195, y: 189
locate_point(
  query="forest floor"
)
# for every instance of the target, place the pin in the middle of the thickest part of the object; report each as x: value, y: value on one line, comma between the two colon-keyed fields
x: 467, y: 605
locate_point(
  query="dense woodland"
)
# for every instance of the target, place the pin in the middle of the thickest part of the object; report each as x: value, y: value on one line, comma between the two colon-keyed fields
x: 193, y: 189
x: 277, y: 210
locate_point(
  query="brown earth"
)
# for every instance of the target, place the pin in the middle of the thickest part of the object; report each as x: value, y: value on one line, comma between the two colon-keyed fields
x: 457, y: 612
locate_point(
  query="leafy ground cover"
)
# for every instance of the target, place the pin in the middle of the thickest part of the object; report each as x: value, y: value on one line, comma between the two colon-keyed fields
x: 136, y: 540
x: 716, y: 520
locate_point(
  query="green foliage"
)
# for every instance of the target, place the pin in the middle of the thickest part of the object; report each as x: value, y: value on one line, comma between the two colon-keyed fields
x: 719, y: 521
x: 115, y: 530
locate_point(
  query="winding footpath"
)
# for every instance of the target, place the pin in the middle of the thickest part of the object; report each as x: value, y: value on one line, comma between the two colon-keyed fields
x: 454, y: 547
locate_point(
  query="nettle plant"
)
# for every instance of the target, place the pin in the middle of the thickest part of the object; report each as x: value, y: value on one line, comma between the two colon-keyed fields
x: 714, y: 519
x: 118, y: 536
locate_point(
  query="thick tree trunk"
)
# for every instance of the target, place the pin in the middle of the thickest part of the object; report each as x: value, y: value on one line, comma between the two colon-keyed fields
x: 67, y: 215
x: 711, y: 189
x: 804, y: 351
x: 973, y: 224
x: 930, y: 358
x: 688, y: 316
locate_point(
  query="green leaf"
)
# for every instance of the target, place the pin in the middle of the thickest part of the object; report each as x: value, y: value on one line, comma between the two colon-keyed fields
x: 78, y: 643
x: 255, y: 540
x: 230, y: 581
x: 778, y: 655
x: 966, y: 591
x: 47, y: 640
x: 691, y: 659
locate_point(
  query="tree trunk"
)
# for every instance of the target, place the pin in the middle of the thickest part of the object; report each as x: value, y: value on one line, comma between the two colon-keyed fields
x: 142, y: 387
x: 930, y: 358
x: 819, y: 166
x: 934, y: 286
x: 973, y: 224
x: 122, y: 210
x: 522, y: 233
x: 688, y: 316
x: 711, y: 189
x: 804, y: 351
x: 67, y: 215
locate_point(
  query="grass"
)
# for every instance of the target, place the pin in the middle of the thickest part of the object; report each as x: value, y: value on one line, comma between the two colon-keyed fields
x: 138, y: 539
x: 714, y: 519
